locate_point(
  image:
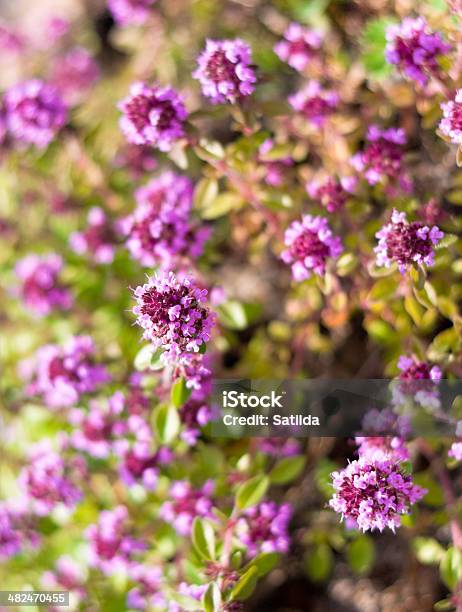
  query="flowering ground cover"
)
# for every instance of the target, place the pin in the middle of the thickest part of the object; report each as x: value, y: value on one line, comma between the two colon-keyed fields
x: 201, y: 191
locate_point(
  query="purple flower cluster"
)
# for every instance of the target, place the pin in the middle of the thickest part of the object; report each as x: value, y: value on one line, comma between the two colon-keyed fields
x: 197, y: 411
x: 264, y: 528
x: 384, y: 433
x: 62, y: 374
x: 130, y: 12
x: 159, y: 231
x: 35, y: 112
x: 278, y: 447
x: 185, y: 504
x: 40, y: 289
x: 418, y: 380
x: 382, y: 158
x: 310, y: 244
x: 299, y: 47
x: 48, y: 480
x: 451, y: 123
x: 98, y: 239
x: 373, y: 493
x: 275, y: 170
x: 455, y: 452
x: 153, y: 116
x: 111, y: 545
x: 332, y: 193
x: 74, y: 73
x: 146, y: 594
x: 315, y: 103
x: 225, y: 71
x: 16, y: 530
x: 406, y: 243
x: 415, y: 49
x: 67, y: 575
x: 172, y: 313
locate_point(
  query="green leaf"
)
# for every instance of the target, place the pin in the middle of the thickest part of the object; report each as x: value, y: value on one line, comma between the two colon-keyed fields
x: 180, y: 393
x: 251, y: 492
x: 222, y: 205
x: 211, y: 600
x: 265, y: 562
x: 209, y: 150
x: 319, y: 561
x: 203, y: 538
x: 361, y: 554
x: 205, y: 192
x: 237, y: 315
x: 166, y: 423
x: 447, y: 241
x: 346, y: 264
x: 246, y: 584
x: 287, y: 469
x: 451, y: 567
x: 428, y: 550
x: 149, y: 358
x: 278, y: 151
x: 373, y: 45
x: 434, y: 496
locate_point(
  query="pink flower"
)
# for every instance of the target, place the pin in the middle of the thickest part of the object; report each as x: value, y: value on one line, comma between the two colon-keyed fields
x: 98, y: 239
x: 264, y: 528
x: 185, y: 504
x: 451, y: 123
x: 315, y: 103
x: 130, y: 12
x: 332, y: 193
x: 299, y: 47
x: 74, y: 73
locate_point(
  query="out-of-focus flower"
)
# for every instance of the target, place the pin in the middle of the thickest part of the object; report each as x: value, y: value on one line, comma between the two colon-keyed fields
x: 418, y: 380
x: 275, y: 169
x: 74, y: 73
x: 111, y: 545
x: 374, y: 493
x: 130, y: 12
x: 415, y: 49
x: 310, y: 243
x: 197, y: 410
x: 56, y: 28
x: 384, y: 433
x: 456, y: 451
x: 225, y: 71
x: 159, y: 231
x: 278, y: 447
x: 153, y: 116
x: 264, y: 528
x: 172, y: 314
x: 137, y: 159
x: 185, y: 504
x: 332, y: 193
x: 40, y: 289
x: 10, y: 41
x: 315, y: 103
x: 67, y: 574
x: 451, y: 123
x: 35, y: 112
x: 406, y: 243
x: 48, y: 479
x: 192, y: 591
x: 299, y: 47
x: 62, y: 374
x: 17, y: 530
x: 98, y: 239
x: 432, y: 212
x: 382, y: 157
x: 146, y: 594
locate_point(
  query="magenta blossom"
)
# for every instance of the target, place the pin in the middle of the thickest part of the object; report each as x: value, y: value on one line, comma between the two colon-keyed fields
x: 130, y: 12
x: 40, y: 288
x: 418, y: 380
x: 384, y: 433
x: 74, y: 73
x: 147, y: 593
x: 62, y: 374
x: 278, y: 447
x: 332, y: 193
x: 374, y: 493
x: 225, y: 71
x: 264, y: 528
x: 315, y: 103
x: 98, y: 239
x: 299, y: 47
x: 406, y: 243
x: 456, y: 451
x: 415, y: 49
x: 17, y: 530
x: 451, y: 123
x: 153, y: 116
x: 136, y: 159
x: 185, y: 504
x: 172, y: 314
x: 67, y: 575
x: 35, y: 112
x: 310, y: 244
x: 275, y: 170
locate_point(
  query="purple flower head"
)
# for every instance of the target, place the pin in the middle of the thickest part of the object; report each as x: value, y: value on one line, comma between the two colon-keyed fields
x: 315, y: 103
x: 264, y: 528
x: 406, y: 243
x: 299, y: 47
x: 67, y: 575
x: 98, y: 239
x: 146, y: 594
x: 382, y: 158
x: 415, y: 49
x: 275, y: 169
x: 48, y: 480
x: 384, y: 433
x: 130, y: 12
x: 185, y: 504
x: 40, y: 289
x: 451, y: 123
x: 74, y: 73
x: 374, y: 493
x: 159, y: 230
x: 197, y: 411
x: 153, y: 116
x: 332, y: 193
x: 62, y: 374
x: 418, y: 380
x: 35, y: 112
x: 310, y: 244
x: 225, y: 71
x: 17, y: 530
x: 455, y: 452
x: 111, y: 545
x: 172, y: 314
